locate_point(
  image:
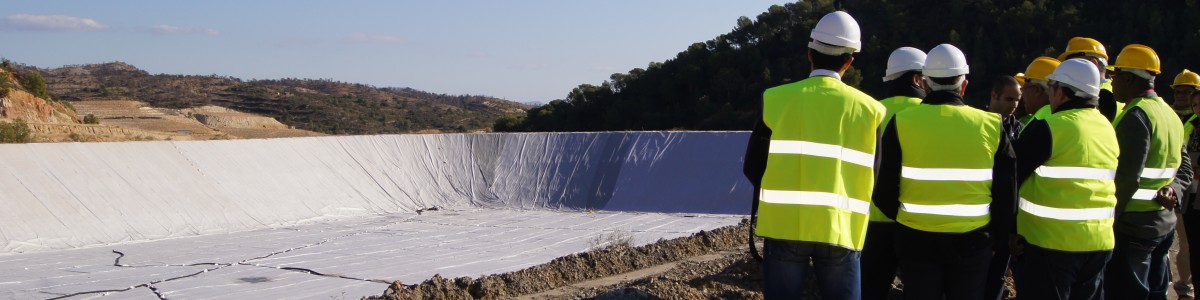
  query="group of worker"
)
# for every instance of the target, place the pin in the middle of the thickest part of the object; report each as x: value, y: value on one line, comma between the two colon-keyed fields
x: 1079, y: 198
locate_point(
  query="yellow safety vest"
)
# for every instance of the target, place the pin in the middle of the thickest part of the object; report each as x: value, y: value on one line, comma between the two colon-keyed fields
x: 820, y: 166
x: 1164, y: 156
x: 946, y: 175
x: 893, y: 105
x: 1068, y: 203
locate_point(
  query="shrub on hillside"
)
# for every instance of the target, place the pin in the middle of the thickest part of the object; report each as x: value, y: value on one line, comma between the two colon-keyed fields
x: 91, y: 119
x: 15, y: 132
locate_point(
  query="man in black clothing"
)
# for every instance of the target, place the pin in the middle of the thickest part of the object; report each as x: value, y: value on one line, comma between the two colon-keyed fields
x: 1005, y: 98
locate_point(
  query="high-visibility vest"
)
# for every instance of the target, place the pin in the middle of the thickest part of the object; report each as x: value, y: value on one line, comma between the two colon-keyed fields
x: 1041, y: 114
x: 893, y: 105
x: 1163, y: 158
x: 946, y: 175
x: 1068, y: 203
x: 1188, y: 128
x: 820, y: 166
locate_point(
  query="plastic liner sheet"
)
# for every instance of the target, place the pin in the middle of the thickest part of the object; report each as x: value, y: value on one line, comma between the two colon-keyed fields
x: 70, y: 195
x: 354, y: 257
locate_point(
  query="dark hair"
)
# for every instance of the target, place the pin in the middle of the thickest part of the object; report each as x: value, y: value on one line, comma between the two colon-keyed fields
x: 1070, y: 93
x: 828, y: 62
x: 945, y: 80
x: 999, y: 83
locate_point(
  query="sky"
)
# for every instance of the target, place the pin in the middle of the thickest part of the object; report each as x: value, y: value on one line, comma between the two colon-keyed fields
x: 520, y: 50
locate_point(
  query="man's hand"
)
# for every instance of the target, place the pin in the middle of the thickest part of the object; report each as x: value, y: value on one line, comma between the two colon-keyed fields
x: 1016, y: 245
x: 1167, y: 198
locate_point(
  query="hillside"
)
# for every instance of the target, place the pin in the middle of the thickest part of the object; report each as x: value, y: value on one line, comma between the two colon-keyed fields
x: 717, y: 84
x: 323, y: 106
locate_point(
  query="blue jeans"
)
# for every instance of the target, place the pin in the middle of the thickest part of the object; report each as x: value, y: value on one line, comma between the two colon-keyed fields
x: 1138, y: 268
x: 786, y: 269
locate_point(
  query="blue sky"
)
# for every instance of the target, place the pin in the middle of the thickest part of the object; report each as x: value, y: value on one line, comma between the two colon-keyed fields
x: 527, y: 51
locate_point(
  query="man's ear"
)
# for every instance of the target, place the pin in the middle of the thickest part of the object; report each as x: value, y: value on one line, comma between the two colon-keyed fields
x: 916, y: 79
x: 846, y: 66
x: 962, y: 91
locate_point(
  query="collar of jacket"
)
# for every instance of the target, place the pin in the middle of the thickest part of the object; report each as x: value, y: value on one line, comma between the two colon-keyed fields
x: 900, y: 87
x: 1074, y: 104
x: 943, y: 97
x: 823, y: 72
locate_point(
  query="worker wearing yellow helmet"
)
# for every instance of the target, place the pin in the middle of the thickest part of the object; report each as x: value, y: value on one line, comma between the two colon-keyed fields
x: 1152, y: 171
x: 1035, y: 93
x: 1093, y: 51
x: 1184, y: 86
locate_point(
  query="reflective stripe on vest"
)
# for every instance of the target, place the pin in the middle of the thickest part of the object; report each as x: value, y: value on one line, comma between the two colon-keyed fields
x: 820, y: 165
x: 1068, y: 214
x: 1163, y: 154
x: 823, y: 150
x: 893, y: 105
x: 1069, y: 202
x: 1076, y: 173
x: 957, y: 210
x: 946, y: 174
x: 816, y: 198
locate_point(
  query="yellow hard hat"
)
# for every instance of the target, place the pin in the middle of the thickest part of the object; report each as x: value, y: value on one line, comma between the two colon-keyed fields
x: 1139, y: 57
x: 1187, y: 78
x: 1038, y: 69
x: 1084, y: 45
x: 1020, y: 78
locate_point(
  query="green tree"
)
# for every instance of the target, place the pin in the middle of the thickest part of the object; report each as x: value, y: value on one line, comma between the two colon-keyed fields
x: 16, y: 132
x: 35, y: 84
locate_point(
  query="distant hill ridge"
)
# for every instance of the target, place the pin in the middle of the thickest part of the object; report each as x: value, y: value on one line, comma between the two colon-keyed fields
x: 320, y: 105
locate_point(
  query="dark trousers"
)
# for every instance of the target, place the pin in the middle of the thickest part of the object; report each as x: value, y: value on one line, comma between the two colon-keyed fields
x: 994, y: 288
x: 1052, y: 274
x: 943, y: 265
x: 879, y: 260
x: 1138, y: 268
x: 1191, y: 220
x: 786, y: 269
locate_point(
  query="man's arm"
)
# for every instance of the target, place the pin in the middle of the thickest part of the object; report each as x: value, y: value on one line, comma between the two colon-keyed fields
x: 1004, y: 191
x: 886, y: 195
x: 1133, y: 137
x: 755, y: 163
x: 1183, y: 178
x: 1032, y: 149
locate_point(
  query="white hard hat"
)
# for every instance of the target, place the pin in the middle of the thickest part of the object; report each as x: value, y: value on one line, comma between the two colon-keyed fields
x: 1080, y: 75
x: 945, y: 61
x: 903, y: 60
x: 839, y: 33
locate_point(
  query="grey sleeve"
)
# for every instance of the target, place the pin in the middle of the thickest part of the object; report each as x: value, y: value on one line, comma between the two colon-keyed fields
x: 1133, y: 137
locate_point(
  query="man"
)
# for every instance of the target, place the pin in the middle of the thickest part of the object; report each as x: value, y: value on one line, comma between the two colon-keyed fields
x: 1093, y: 51
x: 1035, y: 93
x: 1191, y: 207
x: 903, y: 78
x: 1067, y: 162
x: 952, y: 169
x: 1005, y: 98
x: 1184, y: 86
x: 813, y: 157
x: 1151, y: 172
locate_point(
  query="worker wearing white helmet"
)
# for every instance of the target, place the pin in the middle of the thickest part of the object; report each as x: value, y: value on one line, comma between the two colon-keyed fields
x: 812, y: 158
x: 1067, y: 194
x: 945, y: 169
x: 903, y: 78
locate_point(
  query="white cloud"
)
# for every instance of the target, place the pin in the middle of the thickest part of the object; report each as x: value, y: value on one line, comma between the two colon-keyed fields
x: 52, y: 23
x: 168, y: 29
x: 362, y: 38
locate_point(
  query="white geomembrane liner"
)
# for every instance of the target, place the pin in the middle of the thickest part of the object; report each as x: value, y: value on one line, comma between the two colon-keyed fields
x: 259, y: 218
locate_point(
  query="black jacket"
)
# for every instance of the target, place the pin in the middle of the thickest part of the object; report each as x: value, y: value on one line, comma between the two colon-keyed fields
x: 1004, y: 186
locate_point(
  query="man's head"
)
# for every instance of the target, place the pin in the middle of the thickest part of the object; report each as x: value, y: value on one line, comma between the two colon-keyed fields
x: 1195, y: 102
x: 1035, y: 93
x: 1006, y: 94
x: 946, y: 69
x: 835, y: 39
x: 1073, y: 80
x: 1184, y: 86
x: 1136, y: 66
x: 1088, y: 49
